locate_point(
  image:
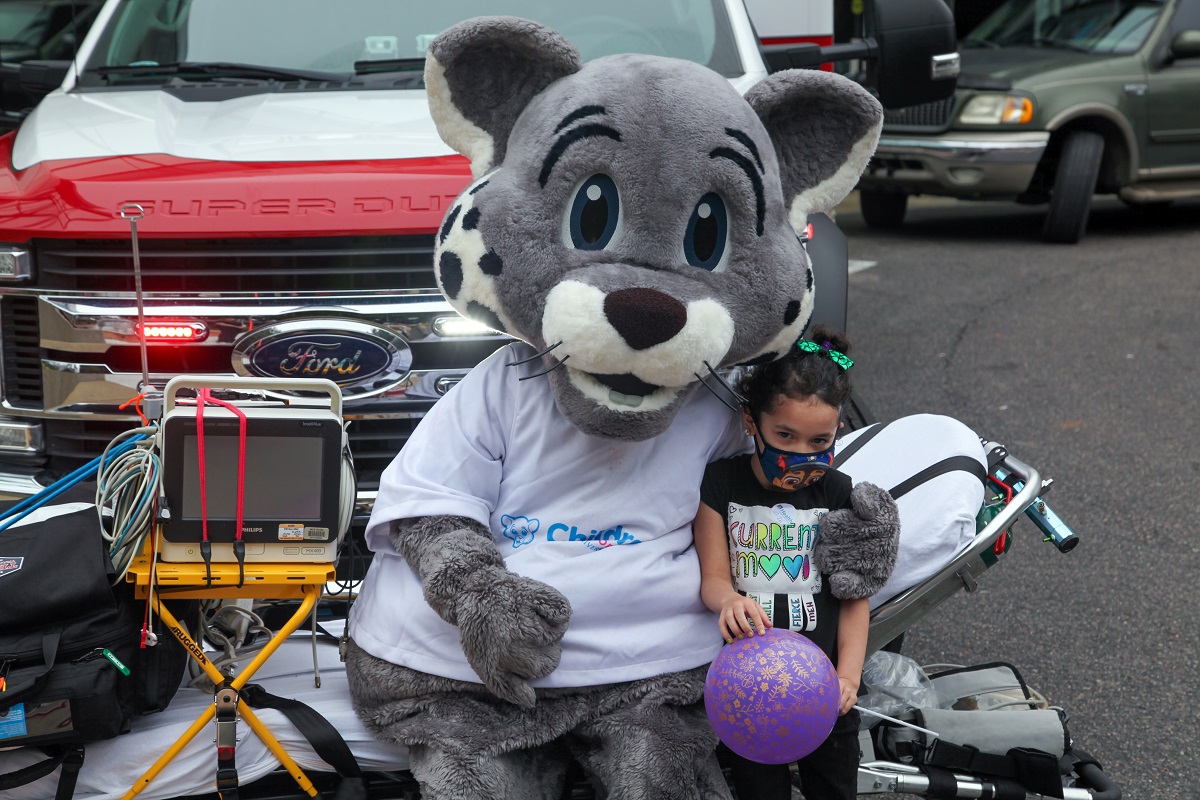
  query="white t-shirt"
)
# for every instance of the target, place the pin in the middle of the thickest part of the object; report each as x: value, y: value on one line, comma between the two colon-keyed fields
x: 606, y: 522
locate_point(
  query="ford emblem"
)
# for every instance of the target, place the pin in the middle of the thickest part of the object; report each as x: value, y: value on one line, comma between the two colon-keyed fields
x: 362, y: 358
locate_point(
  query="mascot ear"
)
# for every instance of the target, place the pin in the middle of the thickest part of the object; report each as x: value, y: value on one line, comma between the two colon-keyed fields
x: 824, y: 128
x: 480, y: 75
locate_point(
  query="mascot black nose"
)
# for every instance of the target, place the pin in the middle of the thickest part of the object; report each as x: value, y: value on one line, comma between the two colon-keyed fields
x: 644, y: 317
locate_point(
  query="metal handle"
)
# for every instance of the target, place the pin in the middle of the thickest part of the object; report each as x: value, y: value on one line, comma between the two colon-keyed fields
x: 240, y: 384
x: 899, y: 613
x: 1040, y: 513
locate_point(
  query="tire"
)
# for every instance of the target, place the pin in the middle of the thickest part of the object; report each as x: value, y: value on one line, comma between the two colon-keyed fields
x: 1074, y: 185
x: 883, y: 209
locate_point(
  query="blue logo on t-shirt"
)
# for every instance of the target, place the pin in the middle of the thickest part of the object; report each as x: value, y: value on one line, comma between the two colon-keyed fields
x: 604, y: 537
x: 519, y: 529
x: 522, y: 530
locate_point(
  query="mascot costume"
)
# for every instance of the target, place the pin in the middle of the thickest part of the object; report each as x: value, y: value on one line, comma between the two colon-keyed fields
x: 634, y: 221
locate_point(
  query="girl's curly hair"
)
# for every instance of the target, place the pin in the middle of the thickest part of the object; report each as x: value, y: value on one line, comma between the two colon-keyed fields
x: 799, y: 374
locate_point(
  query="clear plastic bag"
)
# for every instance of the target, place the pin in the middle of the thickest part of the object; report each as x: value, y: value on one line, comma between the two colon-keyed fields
x: 896, y: 685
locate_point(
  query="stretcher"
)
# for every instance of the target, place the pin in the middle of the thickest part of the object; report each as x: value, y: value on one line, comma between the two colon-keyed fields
x: 970, y: 540
x: 961, y: 765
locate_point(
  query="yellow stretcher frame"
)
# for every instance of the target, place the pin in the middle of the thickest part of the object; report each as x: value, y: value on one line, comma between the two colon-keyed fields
x: 156, y: 580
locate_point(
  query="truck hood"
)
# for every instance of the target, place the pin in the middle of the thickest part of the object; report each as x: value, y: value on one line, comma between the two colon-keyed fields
x: 1017, y: 65
x: 277, y: 127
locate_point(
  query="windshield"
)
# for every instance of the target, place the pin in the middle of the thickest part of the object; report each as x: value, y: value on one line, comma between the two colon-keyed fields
x: 336, y: 36
x: 1092, y: 26
x: 20, y: 22
x: 28, y: 26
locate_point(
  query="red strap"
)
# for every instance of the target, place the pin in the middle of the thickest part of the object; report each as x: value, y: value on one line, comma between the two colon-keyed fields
x: 205, y: 396
x: 1002, y: 540
x: 200, y: 398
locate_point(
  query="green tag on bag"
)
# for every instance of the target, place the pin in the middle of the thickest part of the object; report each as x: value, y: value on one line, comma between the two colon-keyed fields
x: 116, y: 662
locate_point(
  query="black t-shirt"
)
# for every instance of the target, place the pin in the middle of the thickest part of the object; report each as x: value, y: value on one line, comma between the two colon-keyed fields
x: 770, y: 542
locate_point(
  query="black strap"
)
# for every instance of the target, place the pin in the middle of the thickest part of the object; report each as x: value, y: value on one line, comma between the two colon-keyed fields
x: 1004, y: 789
x: 1036, y: 770
x: 867, y: 435
x: 324, y: 738
x: 942, y: 785
x: 17, y: 694
x: 965, y: 758
x: 964, y: 463
x: 34, y: 772
x: 69, y: 757
x: 72, y: 763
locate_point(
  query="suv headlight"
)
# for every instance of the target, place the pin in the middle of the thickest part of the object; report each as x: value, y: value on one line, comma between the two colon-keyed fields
x: 997, y: 109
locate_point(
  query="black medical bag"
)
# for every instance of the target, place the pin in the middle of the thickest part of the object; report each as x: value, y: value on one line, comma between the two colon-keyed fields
x: 71, y: 656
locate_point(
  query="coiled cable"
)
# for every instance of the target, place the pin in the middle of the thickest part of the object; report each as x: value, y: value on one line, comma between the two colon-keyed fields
x: 128, y: 488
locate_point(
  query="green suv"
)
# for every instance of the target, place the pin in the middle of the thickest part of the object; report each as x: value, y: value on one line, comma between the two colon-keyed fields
x: 1057, y: 100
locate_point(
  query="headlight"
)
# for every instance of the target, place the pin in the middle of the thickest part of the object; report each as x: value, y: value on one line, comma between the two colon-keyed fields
x: 996, y: 109
x: 460, y: 326
x: 15, y: 263
x: 20, y: 437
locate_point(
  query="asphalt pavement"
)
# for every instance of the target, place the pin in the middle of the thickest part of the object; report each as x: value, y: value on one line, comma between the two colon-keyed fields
x: 1083, y: 361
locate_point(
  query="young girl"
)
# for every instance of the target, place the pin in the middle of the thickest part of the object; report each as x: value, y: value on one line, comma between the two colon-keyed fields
x: 754, y: 531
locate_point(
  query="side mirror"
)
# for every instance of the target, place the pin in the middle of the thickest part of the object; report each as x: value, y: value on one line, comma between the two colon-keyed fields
x: 918, y: 52
x: 1186, y: 44
x: 41, y: 77
x: 911, y: 52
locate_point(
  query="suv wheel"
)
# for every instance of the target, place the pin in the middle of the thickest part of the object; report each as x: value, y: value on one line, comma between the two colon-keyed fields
x: 883, y: 209
x: 1074, y: 185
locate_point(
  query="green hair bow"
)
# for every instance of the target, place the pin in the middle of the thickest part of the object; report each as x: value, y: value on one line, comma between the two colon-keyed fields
x: 838, y: 358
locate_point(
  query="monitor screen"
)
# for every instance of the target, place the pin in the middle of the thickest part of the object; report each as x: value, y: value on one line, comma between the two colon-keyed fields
x: 283, y: 477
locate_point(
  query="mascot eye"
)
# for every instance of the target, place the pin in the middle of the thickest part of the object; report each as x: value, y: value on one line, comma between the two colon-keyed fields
x: 707, y: 230
x: 594, y: 213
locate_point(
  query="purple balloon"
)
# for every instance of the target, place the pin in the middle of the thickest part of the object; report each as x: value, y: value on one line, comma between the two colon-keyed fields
x: 772, y: 698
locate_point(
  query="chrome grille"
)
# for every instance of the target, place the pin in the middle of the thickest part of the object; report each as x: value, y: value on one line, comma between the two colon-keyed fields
x: 238, y: 265
x: 21, y: 353
x: 375, y: 443
x: 935, y: 115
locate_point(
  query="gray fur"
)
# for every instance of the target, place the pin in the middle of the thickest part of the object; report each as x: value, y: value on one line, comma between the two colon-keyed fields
x: 856, y: 547
x: 671, y: 120
x: 467, y: 743
x: 511, y: 626
x: 815, y: 119
x: 495, y: 65
x: 537, y: 774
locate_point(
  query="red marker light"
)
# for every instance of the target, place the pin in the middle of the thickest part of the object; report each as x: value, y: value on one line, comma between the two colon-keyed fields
x: 175, y: 331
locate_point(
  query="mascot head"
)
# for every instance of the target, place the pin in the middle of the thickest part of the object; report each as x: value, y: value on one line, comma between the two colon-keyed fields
x: 634, y: 219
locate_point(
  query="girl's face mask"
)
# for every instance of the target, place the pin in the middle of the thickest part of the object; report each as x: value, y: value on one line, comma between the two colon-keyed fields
x: 798, y: 423
x: 788, y: 470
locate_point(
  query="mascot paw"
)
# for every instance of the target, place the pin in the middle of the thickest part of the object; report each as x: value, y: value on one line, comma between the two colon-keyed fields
x: 511, y: 627
x: 857, y: 546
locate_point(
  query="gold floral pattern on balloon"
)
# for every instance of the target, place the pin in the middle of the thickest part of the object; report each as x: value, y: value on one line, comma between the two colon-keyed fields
x: 772, y: 698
